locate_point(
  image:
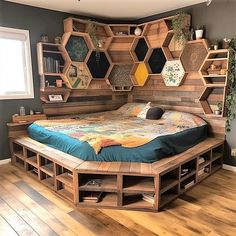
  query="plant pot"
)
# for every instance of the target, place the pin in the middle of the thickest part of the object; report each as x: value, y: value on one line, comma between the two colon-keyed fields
x: 217, y: 112
x: 199, y: 34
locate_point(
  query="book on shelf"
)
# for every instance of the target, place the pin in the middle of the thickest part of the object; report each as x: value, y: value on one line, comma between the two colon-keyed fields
x: 149, y: 197
x: 189, y: 184
x: 200, y: 172
x: 184, y: 172
x: 92, y: 197
x: 51, y: 65
x: 201, y: 160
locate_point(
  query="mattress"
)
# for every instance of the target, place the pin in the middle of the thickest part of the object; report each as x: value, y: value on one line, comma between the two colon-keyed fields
x: 127, y: 139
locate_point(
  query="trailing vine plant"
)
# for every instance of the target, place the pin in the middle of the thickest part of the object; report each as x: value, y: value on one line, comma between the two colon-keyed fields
x: 231, y: 96
x: 181, y: 30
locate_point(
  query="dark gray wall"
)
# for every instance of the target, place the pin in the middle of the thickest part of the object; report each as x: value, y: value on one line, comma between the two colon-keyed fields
x: 37, y: 21
x: 218, y: 18
x: 220, y: 21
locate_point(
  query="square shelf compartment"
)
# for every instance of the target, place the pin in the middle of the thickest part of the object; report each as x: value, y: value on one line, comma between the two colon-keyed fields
x: 169, y: 179
x: 216, y: 165
x: 64, y: 175
x: 65, y: 190
x: 19, y: 162
x: 18, y: 150
x: 46, y: 166
x: 47, y: 179
x: 105, y: 199
x: 32, y: 170
x: 169, y: 196
x: 31, y: 157
x: 187, y: 183
x: 188, y: 169
x: 207, y: 160
x: 103, y: 183
x: 135, y: 200
x: 217, y: 152
x: 138, y: 184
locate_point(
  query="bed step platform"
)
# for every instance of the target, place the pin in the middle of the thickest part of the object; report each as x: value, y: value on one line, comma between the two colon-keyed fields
x: 119, y: 185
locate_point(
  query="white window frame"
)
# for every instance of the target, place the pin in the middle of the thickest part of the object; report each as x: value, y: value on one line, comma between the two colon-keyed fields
x: 29, y: 93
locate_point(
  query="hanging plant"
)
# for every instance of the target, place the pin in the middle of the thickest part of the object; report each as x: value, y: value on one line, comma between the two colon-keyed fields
x: 231, y: 96
x: 181, y: 31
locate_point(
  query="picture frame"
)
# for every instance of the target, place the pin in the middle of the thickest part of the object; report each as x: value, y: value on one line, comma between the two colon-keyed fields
x: 55, y: 97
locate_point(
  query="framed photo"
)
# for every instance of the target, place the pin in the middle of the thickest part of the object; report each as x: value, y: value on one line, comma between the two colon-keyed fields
x: 55, y: 98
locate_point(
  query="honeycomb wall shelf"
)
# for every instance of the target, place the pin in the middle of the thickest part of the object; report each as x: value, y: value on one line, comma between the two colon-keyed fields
x: 77, y: 76
x: 99, y: 64
x: 77, y: 46
x: 139, y: 74
x: 194, y: 54
x: 119, y: 78
x: 156, y: 61
x: 139, y: 49
x: 173, y: 73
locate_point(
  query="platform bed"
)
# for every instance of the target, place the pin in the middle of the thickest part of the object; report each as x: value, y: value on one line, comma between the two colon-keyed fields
x: 121, y: 184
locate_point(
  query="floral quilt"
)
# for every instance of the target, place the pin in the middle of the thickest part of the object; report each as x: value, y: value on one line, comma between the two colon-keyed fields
x: 110, y: 128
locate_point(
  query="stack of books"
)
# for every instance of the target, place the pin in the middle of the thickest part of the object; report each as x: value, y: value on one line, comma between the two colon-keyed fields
x: 92, y: 197
x: 184, y: 172
x: 188, y: 185
x: 201, y: 160
x: 51, y: 65
x: 149, y: 197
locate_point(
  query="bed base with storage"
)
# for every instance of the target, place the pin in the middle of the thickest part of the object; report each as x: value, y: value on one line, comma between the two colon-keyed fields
x: 123, y: 183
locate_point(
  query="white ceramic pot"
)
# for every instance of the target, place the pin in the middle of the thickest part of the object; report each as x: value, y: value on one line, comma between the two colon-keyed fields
x: 138, y: 31
x: 199, y: 34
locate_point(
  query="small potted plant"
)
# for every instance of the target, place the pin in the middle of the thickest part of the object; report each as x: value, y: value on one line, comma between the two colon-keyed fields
x: 199, y: 31
x: 226, y: 42
x: 219, y: 109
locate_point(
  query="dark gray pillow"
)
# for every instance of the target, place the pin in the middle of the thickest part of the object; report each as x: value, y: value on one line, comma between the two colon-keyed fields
x: 154, y: 113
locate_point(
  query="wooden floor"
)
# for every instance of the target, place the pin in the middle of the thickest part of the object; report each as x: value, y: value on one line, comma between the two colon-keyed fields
x: 29, y: 208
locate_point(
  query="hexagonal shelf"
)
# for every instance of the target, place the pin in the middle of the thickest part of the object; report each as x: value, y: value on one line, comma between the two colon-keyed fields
x: 139, y: 49
x: 194, y: 54
x: 139, y: 74
x: 99, y: 65
x: 172, y: 49
x: 214, y: 70
x: 103, y: 35
x: 120, y: 79
x: 173, y: 73
x: 210, y: 98
x: 77, y: 46
x: 77, y: 76
x: 156, y: 61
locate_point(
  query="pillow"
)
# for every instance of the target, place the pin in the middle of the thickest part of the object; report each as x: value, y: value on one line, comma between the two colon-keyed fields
x: 142, y: 114
x: 130, y: 109
x: 154, y: 113
x: 151, y: 113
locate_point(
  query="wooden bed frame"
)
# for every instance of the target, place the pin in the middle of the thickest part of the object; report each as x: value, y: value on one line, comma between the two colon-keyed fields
x: 123, y: 183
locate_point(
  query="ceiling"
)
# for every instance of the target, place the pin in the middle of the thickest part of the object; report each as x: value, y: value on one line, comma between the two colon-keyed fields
x: 122, y: 9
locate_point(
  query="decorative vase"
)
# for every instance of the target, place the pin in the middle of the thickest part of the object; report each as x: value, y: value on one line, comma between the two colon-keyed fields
x: 216, y: 47
x: 138, y: 31
x: 199, y: 34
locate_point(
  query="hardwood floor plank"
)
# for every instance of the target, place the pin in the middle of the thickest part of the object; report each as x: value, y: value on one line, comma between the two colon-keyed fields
x: 5, y: 228
x: 207, y: 209
x: 53, y: 209
x: 16, y: 222
x: 37, y: 224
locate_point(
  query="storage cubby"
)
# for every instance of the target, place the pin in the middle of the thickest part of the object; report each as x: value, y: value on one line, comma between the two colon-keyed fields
x: 156, y: 61
x: 216, y: 164
x: 65, y: 190
x: 99, y: 65
x: 169, y: 196
x: 120, y: 56
x: 135, y: 200
x: 75, y: 25
x: 139, y: 74
x: 188, y: 169
x: 47, y: 166
x: 19, y: 162
x: 217, y: 152
x: 138, y: 184
x: 120, y: 30
x: 64, y: 175
x: 207, y: 159
x: 210, y: 98
x: 187, y: 183
x: 46, y: 179
x: 102, y: 183
x: 139, y: 49
x: 32, y: 170
x: 31, y: 157
x: 18, y: 151
x: 169, y: 179
x: 120, y: 77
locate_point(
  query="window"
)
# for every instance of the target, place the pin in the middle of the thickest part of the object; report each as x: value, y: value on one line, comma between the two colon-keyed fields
x: 16, y: 81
